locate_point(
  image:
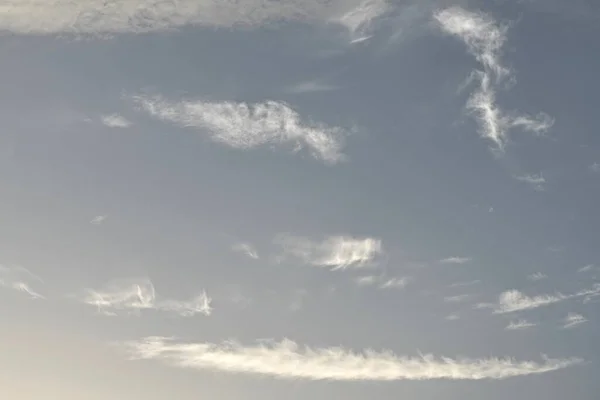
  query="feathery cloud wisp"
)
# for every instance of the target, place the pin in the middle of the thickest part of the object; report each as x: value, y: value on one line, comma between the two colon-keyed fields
x: 246, y: 249
x: 287, y: 360
x: 115, y: 121
x: 41, y: 17
x: 513, y: 300
x: 573, y: 319
x: 457, y: 299
x: 484, y: 38
x: 97, y: 220
x: 136, y: 295
x: 519, y: 325
x: 359, y: 20
x: 335, y: 252
x: 537, y: 276
x: 246, y: 126
x: 17, y: 278
x: 536, y: 181
x: 382, y: 282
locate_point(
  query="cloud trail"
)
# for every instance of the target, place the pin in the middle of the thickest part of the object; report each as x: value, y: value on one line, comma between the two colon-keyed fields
x: 288, y: 360
x: 19, y: 278
x: 519, y: 325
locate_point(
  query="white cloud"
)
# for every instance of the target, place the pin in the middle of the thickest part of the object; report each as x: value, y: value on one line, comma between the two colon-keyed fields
x: 134, y: 295
x: 457, y: 299
x: 468, y: 283
x: 519, y: 325
x: 455, y: 260
x: 381, y: 282
x: 246, y: 249
x: 513, y: 300
x: 536, y: 181
x: 595, y: 167
x: 288, y: 360
x: 452, y: 317
x: 246, y: 126
x: 115, y: 121
x: 587, y: 268
x: 97, y: 220
x: 537, y: 276
x: 484, y: 38
x: 39, y: 17
x: 19, y: 278
x: 335, y: 252
x: 573, y: 319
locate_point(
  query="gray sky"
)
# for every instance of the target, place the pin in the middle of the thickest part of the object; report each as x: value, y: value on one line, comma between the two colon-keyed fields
x: 299, y: 199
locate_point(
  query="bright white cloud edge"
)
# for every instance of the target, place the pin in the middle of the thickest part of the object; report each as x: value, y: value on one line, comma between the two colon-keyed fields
x: 288, y: 360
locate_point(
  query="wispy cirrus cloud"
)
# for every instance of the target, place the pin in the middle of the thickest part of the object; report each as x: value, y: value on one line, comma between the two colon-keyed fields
x: 359, y: 20
x: 573, y: 319
x: 99, y: 219
x: 115, y: 121
x: 135, y: 295
x: 247, y: 126
x: 40, y: 17
x: 311, y: 87
x: 536, y: 181
x: 484, y: 38
x: 19, y: 279
x: 334, y: 252
x: 455, y: 260
x: 247, y: 249
x: 382, y: 282
x: 537, y: 276
x: 463, y: 284
x: 519, y: 325
x: 513, y: 300
x: 458, y: 298
x: 287, y: 360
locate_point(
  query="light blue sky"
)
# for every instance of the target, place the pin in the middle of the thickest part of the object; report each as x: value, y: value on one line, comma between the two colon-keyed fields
x: 407, y: 177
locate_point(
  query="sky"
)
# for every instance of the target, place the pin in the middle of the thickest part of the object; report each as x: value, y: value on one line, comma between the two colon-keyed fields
x: 299, y: 199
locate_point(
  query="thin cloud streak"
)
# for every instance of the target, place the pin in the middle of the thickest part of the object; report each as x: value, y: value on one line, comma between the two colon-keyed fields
x: 288, y: 360
x: 455, y: 260
x: 537, y: 276
x: 573, y: 319
x: 537, y: 181
x: 334, y: 252
x: 115, y: 121
x: 382, y: 282
x: 519, y: 325
x: 139, y: 294
x: 247, y: 126
x: 99, y: 219
x: 513, y: 300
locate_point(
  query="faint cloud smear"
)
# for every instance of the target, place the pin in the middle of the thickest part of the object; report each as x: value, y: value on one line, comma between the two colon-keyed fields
x: 358, y: 21
x: 538, y: 276
x: 246, y: 249
x: 537, y: 181
x: 462, y: 284
x: 311, y: 87
x: 519, y: 325
x: 595, y: 167
x: 40, y: 17
x: 115, y: 121
x: 455, y: 260
x: 97, y: 220
x: 19, y: 278
x: 484, y: 38
x: 573, y: 319
x: 382, y: 282
x: 452, y: 317
x: 287, y: 360
x: 334, y: 252
x: 513, y: 300
x: 457, y: 299
x: 246, y: 126
x: 134, y: 295
x: 587, y: 268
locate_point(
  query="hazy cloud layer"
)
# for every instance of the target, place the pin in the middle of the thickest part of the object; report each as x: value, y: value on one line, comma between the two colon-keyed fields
x: 334, y: 252
x: 246, y: 126
x: 288, y: 360
x: 140, y: 16
x: 134, y: 295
